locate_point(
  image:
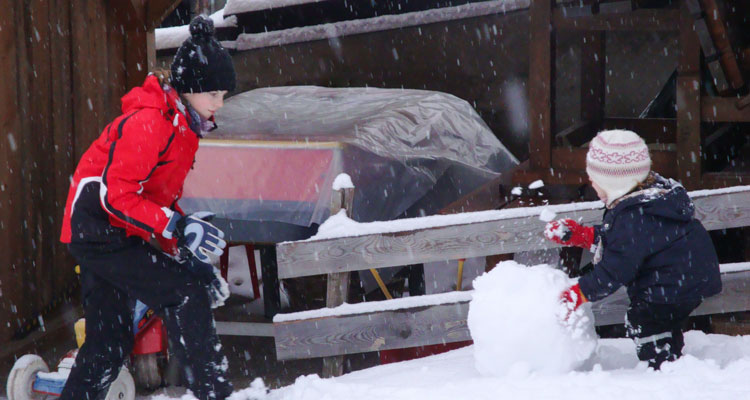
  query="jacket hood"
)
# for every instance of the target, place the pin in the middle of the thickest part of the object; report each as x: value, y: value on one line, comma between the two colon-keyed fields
x: 148, y: 95
x: 664, y: 198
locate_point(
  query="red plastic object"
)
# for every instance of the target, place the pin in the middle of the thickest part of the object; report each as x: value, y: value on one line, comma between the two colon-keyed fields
x: 411, y: 353
x: 151, y: 338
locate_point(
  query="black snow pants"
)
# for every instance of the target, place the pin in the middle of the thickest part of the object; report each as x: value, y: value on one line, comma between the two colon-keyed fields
x: 656, y: 329
x: 113, y: 276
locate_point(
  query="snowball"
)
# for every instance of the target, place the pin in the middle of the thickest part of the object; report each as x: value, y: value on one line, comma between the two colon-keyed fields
x: 555, y: 230
x: 517, y: 322
x: 342, y: 181
x: 547, y: 215
x: 517, y: 191
x: 536, y: 184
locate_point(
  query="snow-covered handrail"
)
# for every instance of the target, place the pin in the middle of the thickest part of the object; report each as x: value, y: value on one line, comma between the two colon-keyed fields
x: 350, y: 246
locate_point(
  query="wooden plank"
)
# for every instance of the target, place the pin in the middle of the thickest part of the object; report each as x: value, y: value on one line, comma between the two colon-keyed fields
x: 27, y: 303
x: 62, y: 132
x: 90, y: 102
x: 593, y: 80
x: 716, y: 180
x: 38, y: 163
x: 576, y: 134
x: 157, y: 11
x: 129, y: 13
x: 733, y: 298
x: 638, y: 20
x: 419, y: 246
x: 360, y: 333
x: 541, y: 84
x: 446, y: 323
x: 230, y: 328
x: 688, y: 104
x: 652, y: 130
x: 11, y: 109
x: 723, y: 109
x: 478, y: 239
x: 136, y: 56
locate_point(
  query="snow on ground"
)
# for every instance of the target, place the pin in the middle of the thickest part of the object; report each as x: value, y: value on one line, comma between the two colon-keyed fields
x: 522, y: 354
x: 715, y: 367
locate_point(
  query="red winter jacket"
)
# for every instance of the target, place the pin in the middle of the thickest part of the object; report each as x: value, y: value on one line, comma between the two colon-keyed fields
x: 132, y: 175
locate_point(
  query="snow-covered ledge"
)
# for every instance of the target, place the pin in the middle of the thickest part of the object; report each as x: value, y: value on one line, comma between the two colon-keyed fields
x: 249, y: 41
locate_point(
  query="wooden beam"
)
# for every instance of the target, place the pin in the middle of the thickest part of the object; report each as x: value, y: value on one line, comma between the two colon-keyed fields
x: 723, y: 109
x: 130, y: 13
x: 593, y: 79
x: 157, y: 11
x: 716, y: 180
x: 359, y: 333
x: 337, y: 290
x: 478, y: 239
x: 688, y: 104
x: 576, y: 134
x: 541, y: 83
x: 733, y: 298
x: 233, y: 328
x: 445, y: 323
x: 638, y: 20
x: 652, y: 130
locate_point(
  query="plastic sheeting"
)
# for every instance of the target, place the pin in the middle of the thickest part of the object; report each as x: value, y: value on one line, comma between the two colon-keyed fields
x: 283, y: 146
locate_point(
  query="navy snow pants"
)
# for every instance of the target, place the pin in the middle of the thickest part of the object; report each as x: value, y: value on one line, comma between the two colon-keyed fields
x: 113, y: 276
x: 656, y: 330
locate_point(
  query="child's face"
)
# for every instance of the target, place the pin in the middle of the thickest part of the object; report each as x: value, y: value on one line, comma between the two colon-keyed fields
x: 206, y: 103
x: 599, y: 191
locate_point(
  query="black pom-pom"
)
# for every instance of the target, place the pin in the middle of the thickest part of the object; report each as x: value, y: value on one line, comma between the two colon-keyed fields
x: 202, y: 27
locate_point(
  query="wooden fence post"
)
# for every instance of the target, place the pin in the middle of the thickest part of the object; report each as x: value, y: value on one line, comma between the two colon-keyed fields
x: 338, y: 283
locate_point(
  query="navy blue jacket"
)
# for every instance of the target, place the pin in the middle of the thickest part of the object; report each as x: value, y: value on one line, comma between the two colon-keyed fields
x: 651, y: 242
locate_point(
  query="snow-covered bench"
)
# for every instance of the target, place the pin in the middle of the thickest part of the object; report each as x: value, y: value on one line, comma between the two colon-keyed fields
x: 434, y: 319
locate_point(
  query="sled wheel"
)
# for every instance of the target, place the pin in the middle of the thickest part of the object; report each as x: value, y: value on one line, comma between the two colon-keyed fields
x: 147, y: 372
x: 22, y: 376
x: 123, y: 388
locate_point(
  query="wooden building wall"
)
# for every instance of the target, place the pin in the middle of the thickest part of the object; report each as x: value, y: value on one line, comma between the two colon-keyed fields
x: 483, y: 60
x: 64, y: 66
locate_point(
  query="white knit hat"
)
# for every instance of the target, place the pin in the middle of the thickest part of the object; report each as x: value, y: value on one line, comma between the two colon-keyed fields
x: 617, y: 161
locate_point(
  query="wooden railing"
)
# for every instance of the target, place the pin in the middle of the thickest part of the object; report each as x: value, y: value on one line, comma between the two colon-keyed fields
x: 435, y: 319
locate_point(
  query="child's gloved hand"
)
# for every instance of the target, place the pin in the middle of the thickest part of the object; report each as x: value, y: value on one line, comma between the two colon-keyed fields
x: 573, y: 297
x: 196, y: 236
x: 569, y: 233
x: 210, y: 277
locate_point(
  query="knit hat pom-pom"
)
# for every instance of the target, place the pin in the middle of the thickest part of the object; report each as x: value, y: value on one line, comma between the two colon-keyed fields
x: 202, y: 27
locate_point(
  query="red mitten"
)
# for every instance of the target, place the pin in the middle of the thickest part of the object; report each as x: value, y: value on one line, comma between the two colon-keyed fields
x: 570, y: 233
x: 573, y: 297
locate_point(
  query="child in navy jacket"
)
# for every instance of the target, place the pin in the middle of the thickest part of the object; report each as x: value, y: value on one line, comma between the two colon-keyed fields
x: 649, y: 241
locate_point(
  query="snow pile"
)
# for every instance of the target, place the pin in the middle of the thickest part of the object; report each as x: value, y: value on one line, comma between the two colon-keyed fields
x: 518, y: 323
x: 342, y: 181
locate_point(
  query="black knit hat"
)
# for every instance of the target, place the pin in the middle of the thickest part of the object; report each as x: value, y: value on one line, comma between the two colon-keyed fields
x: 201, y: 63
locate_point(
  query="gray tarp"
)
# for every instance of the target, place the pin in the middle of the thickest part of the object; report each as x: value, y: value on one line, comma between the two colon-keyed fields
x: 409, y: 152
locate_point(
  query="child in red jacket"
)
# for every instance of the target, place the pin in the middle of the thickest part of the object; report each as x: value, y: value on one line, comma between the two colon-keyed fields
x: 123, y: 196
